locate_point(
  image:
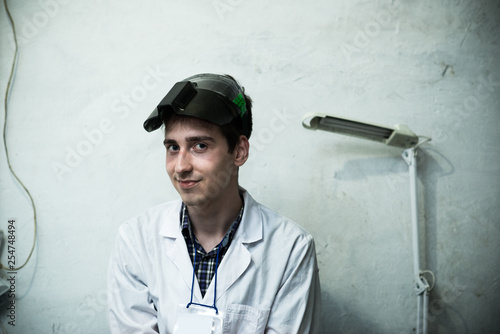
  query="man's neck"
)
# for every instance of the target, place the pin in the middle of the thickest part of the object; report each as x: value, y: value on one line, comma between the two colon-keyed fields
x: 210, y: 222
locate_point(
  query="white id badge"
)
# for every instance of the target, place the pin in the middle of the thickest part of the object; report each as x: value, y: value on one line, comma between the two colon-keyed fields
x: 197, y: 319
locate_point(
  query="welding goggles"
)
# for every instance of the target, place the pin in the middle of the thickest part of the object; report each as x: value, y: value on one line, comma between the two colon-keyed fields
x: 215, y: 98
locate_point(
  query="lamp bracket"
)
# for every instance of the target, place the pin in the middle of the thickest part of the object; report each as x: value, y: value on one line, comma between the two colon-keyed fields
x: 421, y: 285
x: 408, y: 155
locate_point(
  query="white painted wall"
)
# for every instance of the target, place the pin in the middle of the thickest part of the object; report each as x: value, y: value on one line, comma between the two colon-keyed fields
x: 93, y: 70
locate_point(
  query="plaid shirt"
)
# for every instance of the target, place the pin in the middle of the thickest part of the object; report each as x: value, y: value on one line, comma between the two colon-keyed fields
x: 205, y: 262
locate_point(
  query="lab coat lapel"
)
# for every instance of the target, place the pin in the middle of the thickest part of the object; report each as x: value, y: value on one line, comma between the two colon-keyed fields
x: 177, y: 252
x: 238, y: 257
x: 234, y: 263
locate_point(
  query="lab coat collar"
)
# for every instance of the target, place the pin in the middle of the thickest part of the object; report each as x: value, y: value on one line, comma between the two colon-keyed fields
x: 250, y: 230
x: 170, y: 221
x: 251, y: 226
x: 236, y: 260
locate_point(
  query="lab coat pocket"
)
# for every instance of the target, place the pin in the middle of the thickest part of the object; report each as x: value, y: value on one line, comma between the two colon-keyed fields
x: 244, y: 319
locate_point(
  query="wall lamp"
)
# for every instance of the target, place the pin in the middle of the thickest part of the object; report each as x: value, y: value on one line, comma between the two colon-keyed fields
x: 399, y: 136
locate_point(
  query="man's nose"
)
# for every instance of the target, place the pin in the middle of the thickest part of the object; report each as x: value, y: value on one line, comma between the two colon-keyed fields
x: 183, y: 163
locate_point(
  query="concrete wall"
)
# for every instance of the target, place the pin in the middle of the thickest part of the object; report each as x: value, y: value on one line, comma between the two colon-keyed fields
x: 89, y: 73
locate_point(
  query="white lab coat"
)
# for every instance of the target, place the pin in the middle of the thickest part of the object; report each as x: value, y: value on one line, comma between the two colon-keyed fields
x: 267, y: 281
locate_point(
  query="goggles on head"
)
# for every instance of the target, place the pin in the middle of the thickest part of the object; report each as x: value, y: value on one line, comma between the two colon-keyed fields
x: 211, y: 97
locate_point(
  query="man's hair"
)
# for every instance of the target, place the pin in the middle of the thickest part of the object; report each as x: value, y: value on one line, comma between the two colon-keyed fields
x: 231, y: 131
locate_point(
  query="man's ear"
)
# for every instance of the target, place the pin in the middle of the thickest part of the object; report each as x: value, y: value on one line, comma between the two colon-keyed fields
x: 241, y: 151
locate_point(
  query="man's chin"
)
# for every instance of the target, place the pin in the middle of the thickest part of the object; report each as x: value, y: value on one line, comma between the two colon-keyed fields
x: 193, y: 200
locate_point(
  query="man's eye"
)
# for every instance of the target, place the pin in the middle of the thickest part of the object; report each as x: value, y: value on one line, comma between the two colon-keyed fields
x: 172, y: 148
x: 200, y: 146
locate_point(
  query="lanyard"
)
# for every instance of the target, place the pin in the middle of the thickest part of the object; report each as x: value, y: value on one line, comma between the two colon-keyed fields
x: 215, y: 285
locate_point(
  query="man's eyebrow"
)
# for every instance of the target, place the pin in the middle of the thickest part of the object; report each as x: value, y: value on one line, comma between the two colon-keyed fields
x: 192, y: 139
x: 199, y: 138
x: 169, y: 142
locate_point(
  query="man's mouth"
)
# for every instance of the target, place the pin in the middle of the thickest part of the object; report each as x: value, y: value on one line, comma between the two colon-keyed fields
x: 187, y: 184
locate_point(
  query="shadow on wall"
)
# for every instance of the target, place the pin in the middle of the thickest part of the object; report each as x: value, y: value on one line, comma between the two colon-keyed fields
x: 339, y: 319
x: 442, y: 317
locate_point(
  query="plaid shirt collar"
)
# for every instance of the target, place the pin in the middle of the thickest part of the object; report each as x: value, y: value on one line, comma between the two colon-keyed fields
x: 205, y: 265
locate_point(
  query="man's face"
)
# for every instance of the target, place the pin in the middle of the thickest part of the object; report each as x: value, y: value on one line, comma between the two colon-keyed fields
x: 198, y: 162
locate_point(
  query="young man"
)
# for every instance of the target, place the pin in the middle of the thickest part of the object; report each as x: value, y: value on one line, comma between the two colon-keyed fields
x: 215, y: 261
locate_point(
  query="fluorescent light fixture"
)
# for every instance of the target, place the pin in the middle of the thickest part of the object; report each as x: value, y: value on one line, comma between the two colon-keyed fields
x: 399, y: 136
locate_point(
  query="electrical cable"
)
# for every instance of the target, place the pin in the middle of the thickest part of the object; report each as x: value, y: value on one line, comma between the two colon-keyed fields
x: 422, y: 272
x: 426, y: 139
x: 7, y: 94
